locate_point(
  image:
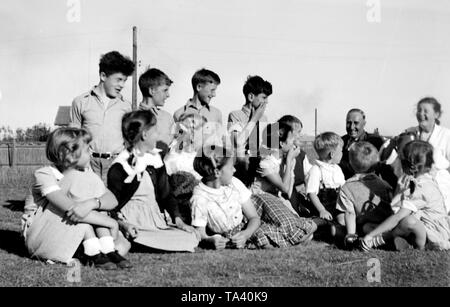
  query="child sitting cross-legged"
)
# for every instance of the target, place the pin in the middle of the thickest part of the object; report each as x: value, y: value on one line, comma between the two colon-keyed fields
x: 420, y: 216
x: 226, y: 213
x: 364, y: 199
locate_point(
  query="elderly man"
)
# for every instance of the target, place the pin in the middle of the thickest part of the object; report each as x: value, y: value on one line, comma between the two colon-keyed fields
x: 356, y: 120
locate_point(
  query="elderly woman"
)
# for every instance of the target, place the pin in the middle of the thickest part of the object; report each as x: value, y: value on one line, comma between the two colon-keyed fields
x: 428, y: 113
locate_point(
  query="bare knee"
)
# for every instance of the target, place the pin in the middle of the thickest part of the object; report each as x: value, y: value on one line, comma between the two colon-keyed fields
x: 408, y: 223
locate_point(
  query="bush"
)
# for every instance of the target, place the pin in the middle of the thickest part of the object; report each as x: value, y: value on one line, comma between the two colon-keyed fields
x: 37, y: 133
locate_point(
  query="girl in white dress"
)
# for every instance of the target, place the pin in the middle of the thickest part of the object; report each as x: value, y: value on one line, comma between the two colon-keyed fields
x: 49, y: 235
x: 420, y: 215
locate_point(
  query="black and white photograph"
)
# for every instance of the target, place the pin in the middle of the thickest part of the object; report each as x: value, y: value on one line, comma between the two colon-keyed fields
x: 224, y: 149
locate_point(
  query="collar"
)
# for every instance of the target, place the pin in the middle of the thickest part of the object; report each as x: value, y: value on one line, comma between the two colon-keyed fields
x: 325, y: 165
x: 358, y: 177
x: 58, y: 175
x: 362, y: 137
x: 246, y: 109
x: 96, y: 92
x: 140, y: 163
x: 405, y: 179
x: 149, y: 106
x: 190, y: 104
x: 209, y: 190
x: 350, y: 140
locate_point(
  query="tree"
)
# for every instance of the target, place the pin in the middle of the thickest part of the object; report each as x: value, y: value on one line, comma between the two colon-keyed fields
x: 20, y: 135
x: 37, y: 133
x: 6, y: 134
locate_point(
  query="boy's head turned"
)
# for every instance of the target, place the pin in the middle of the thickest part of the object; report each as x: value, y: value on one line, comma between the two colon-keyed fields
x: 363, y: 156
x: 256, y: 85
x: 151, y: 79
x: 327, y: 144
x: 114, y: 62
x: 203, y: 77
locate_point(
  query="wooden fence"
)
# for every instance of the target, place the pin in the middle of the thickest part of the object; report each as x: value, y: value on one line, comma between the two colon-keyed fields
x: 19, y: 161
x: 17, y: 155
x: 20, y: 155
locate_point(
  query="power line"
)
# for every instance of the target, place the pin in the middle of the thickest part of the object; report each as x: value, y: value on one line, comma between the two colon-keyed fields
x: 58, y: 36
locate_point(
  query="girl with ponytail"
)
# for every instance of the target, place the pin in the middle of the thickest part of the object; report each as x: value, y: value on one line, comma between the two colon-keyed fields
x: 420, y: 215
x: 139, y: 180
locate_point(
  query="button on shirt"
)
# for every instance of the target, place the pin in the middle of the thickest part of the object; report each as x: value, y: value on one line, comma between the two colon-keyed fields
x: 219, y: 209
x: 103, y: 122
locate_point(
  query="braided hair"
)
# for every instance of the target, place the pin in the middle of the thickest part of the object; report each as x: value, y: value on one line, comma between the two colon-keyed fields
x: 134, y: 124
x: 417, y: 159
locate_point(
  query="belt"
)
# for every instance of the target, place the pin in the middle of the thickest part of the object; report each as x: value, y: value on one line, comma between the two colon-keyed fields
x: 106, y: 155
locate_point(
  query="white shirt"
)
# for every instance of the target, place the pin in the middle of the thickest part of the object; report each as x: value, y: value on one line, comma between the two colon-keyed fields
x: 181, y: 161
x: 330, y: 175
x: 219, y: 209
x: 440, y: 139
x: 306, y: 165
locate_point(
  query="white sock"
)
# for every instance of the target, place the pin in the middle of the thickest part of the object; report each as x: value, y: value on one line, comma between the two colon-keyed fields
x: 107, y: 244
x: 92, y: 246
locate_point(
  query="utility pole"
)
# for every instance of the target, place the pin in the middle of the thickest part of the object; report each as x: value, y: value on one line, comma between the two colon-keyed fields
x: 134, y: 79
x: 315, y: 122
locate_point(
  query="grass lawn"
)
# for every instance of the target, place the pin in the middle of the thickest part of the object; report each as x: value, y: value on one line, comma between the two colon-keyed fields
x: 315, y: 264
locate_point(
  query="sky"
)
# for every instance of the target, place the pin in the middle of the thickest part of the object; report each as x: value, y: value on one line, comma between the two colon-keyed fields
x: 378, y: 55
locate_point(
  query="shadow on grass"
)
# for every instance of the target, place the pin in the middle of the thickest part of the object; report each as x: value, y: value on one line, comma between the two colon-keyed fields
x: 15, y: 205
x: 12, y: 242
x: 139, y: 248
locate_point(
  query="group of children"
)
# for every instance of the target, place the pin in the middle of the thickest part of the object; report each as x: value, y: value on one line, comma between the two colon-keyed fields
x: 281, y: 199
x: 365, y: 211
